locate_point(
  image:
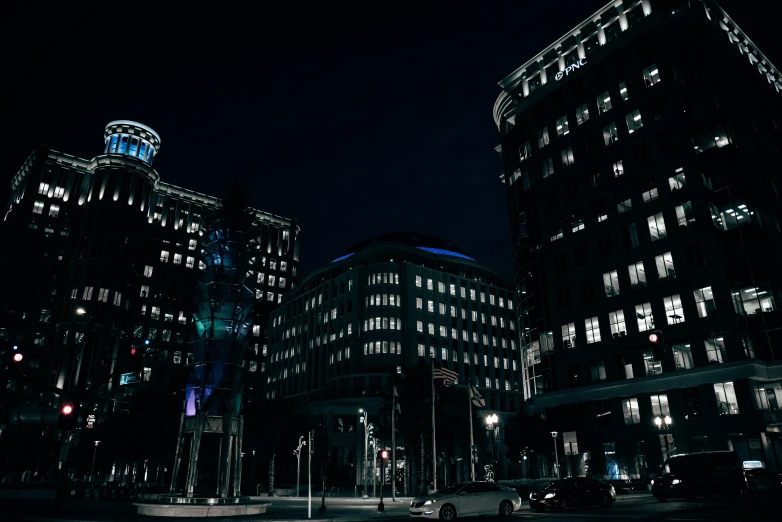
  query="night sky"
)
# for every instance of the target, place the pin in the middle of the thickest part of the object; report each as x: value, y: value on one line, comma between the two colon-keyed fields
x: 356, y: 119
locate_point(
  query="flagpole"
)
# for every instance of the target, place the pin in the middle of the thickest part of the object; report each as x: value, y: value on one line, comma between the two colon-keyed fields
x: 434, y: 440
x: 393, y: 446
x: 472, y: 440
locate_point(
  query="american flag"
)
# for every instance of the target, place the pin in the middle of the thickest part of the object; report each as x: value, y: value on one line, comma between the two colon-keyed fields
x: 477, y: 399
x: 448, y: 376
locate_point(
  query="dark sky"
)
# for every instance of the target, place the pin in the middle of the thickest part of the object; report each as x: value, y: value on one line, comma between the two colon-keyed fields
x: 357, y: 119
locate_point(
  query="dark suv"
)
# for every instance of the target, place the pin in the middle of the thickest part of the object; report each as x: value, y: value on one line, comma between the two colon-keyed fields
x: 687, y: 476
x: 570, y: 493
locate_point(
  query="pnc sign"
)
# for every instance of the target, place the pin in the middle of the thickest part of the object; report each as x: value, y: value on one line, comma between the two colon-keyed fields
x: 570, y: 68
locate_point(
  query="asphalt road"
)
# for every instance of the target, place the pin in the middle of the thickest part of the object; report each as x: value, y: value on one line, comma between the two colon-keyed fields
x: 636, y: 506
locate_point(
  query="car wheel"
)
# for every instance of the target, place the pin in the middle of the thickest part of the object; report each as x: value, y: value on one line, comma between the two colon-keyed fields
x: 606, y: 501
x: 564, y: 505
x: 448, y: 512
x: 506, y: 509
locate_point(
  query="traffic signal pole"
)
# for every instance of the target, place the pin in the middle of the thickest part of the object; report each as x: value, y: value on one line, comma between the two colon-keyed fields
x: 383, y: 459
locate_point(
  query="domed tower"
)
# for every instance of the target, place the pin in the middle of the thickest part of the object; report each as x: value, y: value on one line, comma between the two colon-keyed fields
x: 103, y: 286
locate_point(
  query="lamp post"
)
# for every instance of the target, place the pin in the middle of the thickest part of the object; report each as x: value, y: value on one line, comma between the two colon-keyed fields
x: 491, y: 427
x: 297, y: 452
x: 359, y: 421
x: 94, y: 454
x: 556, y: 452
x: 664, y: 426
x: 368, y: 427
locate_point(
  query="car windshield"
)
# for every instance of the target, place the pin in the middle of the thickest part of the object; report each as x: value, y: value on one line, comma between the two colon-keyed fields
x: 449, y: 490
x: 676, y: 467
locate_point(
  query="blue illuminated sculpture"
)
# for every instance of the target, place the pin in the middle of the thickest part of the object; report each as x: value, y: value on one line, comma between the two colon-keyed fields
x: 225, y: 297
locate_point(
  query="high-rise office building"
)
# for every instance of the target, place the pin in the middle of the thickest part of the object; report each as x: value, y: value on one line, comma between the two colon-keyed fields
x: 391, y: 303
x: 641, y: 158
x: 102, y: 271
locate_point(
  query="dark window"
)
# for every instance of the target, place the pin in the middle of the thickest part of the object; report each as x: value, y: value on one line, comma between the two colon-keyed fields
x: 603, y: 410
x: 597, y: 368
x: 571, y: 187
x: 560, y: 262
x: 691, y: 400
x: 581, y: 254
x: 573, y: 375
x: 640, y: 154
x: 587, y: 291
x: 563, y: 298
x: 666, y: 140
x: 604, y: 245
x: 552, y: 198
x: 694, y: 255
x: 624, y: 365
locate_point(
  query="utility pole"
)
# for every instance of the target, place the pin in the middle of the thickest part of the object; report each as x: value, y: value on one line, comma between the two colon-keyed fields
x: 434, y: 440
x: 472, y: 439
x: 309, y: 474
x: 393, y: 448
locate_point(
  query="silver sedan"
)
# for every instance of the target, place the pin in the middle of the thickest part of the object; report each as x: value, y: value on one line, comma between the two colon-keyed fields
x: 467, y: 499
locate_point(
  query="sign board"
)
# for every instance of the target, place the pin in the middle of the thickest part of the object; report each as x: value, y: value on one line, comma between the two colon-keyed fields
x: 128, y: 378
x: 571, y: 442
x: 754, y: 443
x: 752, y: 464
x: 90, y: 421
x: 570, y: 68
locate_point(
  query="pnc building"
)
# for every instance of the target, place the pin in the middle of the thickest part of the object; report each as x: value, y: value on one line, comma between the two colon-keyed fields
x: 641, y: 157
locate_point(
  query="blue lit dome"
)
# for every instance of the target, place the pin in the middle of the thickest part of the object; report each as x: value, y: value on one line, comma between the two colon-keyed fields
x: 131, y: 138
x: 430, y: 244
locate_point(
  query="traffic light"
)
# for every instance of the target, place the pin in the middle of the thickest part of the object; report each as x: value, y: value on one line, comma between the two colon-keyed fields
x: 67, y: 409
x: 18, y: 357
x: 384, y: 454
x: 654, y: 337
x: 658, y: 347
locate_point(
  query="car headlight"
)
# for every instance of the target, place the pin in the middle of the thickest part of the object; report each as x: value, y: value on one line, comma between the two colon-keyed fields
x: 675, y: 481
x: 652, y: 482
x: 531, y: 496
x: 427, y: 503
x: 549, y: 495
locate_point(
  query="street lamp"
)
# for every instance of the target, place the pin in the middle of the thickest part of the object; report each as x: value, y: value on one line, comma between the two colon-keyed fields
x: 556, y: 452
x: 297, y: 452
x: 368, y: 427
x: 80, y: 311
x: 664, y: 426
x: 94, y: 454
x: 491, y: 427
x: 359, y: 420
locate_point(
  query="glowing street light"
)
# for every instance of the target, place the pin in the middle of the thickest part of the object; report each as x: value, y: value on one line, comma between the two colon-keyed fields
x: 81, y: 311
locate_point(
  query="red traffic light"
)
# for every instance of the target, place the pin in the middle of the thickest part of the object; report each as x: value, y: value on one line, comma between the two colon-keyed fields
x: 18, y: 357
x: 132, y: 351
x: 67, y: 409
x: 654, y: 338
x: 384, y: 455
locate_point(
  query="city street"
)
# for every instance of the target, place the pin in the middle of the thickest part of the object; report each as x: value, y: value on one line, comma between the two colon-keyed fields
x: 635, y: 506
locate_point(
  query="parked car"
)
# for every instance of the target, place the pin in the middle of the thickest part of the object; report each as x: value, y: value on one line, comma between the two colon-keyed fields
x: 467, y: 499
x: 570, y: 493
x: 690, y: 475
x: 760, y: 480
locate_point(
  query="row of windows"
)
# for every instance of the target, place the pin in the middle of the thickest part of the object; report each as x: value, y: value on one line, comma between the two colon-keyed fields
x: 382, y: 278
x: 54, y: 210
x: 103, y: 295
x: 164, y: 257
x: 637, y: 273
x: 57, y: 192
x: 724, y: 393
x: 382, y: 300
x: 419, y: 305
x: 432, y: 329
x: 463, y: 292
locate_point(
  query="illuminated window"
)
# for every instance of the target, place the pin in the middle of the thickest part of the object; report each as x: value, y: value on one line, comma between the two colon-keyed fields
x: 611, y: 283
x: 525, y: 151
x: 38, y: 207
x: 577, y: 224
x: 618, y: 169
x: 103, y: 294
x: 419, y: 303
x: 623, y: 91
x: 569, y: 335
x: 164, y: 256
x: 650, y: 195
x: 684, y: 214
x: 657, y: 227
x: 562, y: 126
x: 282, y: 282
x: 677, y: 181
x: 592, y: 330
x: 543, y: 138
x: 54, y: 210
x: 144, y: 291
x: 87, y: 295
x: 704, y: 301
x: 567, y: 157
x: 715, y: 350
x: 624, y: 206
x: 673, y: 309
x: 182, y: 319
x: 177, y: 259
x: 644, y: 317
x: 547, y: 167
x: 660, y: 405
x: 430, y: 306
x: 634, y: 122
x: 431, y: 328
x: 637, y: 275
x: 664, y: 265
x: 418, y: 281
x: 419, y: 326
x: 726, y: 398
x: 754, y: 300
x: 610, y: 134
x: 155, y: 314
x: 147, y: 271
x: 630, y: 410
x: 617, y: 321
x: 43, y: 188
x: 651, y: 75
x: 582, y: 114
x: 192, y: 244
x: 189, y: 262
x: 682, y: 356
x: 603, y: 103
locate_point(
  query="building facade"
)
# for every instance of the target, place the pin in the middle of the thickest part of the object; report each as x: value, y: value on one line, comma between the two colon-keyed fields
x: 391, y: 303
x: 100, y: 300
x: 641, y: 155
